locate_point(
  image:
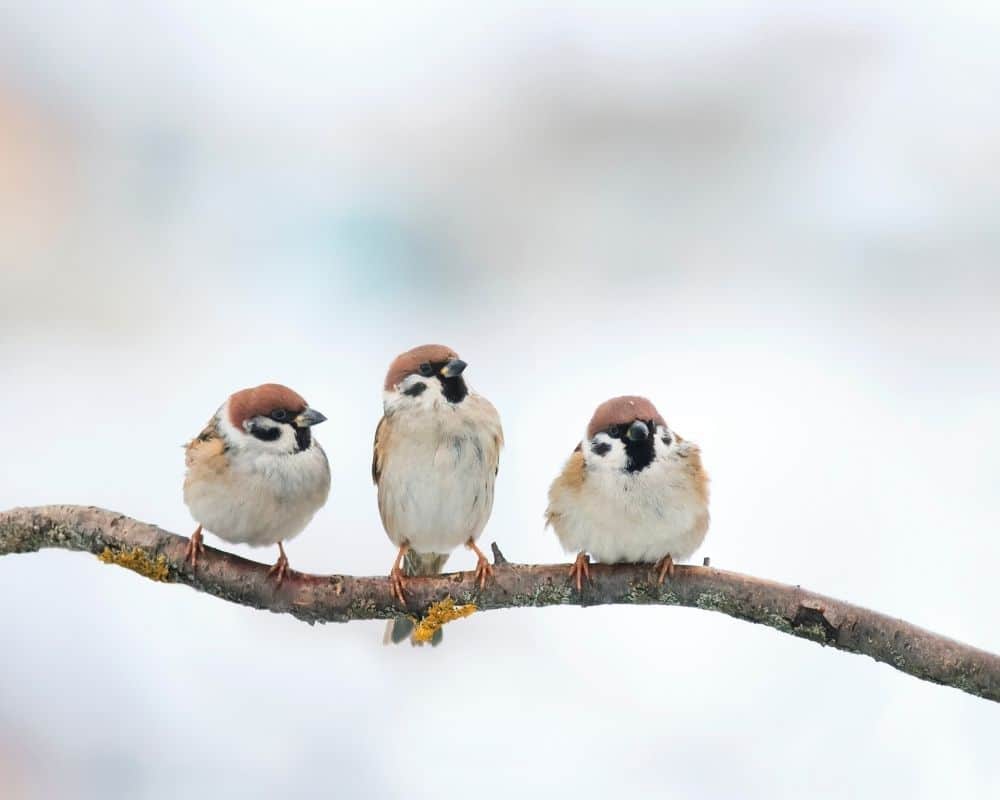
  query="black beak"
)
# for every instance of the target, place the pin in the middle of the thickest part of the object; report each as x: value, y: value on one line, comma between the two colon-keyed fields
x: 637, y: 431
x: 453, y: 368
x: 309, y: 417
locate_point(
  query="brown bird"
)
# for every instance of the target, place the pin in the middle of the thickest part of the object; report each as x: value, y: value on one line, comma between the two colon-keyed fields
x: 437, y: 447
x: 632, y: 491
x: 255, y: 474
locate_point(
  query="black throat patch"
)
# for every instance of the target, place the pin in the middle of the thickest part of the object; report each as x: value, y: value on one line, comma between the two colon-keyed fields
x: 454, y: 389
x: 640, y: 454
x: 303, y: 438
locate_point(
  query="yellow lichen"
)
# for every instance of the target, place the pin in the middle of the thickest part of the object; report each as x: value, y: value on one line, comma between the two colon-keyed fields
x: 440, y: 613
x: 139, y: 561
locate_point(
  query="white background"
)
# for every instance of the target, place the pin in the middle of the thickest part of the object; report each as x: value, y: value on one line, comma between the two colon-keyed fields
x: 779, y: 225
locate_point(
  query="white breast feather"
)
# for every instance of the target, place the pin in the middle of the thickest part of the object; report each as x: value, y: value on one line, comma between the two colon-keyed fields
x: 267, y: 498
x: 436, y: 485
x: 618, y: 516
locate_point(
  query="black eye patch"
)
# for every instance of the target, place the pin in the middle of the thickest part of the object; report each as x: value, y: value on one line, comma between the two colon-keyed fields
x: 600, y: 448
x: 279, y: 415
x: 614, y: 431
x: 416, y: 390
x: 265, y: 434
x: 426, y: 369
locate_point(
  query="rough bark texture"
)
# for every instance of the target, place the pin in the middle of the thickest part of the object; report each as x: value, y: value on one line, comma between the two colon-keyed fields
x: 159, y: 555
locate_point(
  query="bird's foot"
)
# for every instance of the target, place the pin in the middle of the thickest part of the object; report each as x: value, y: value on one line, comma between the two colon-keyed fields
x: 280, y: 568
x: 484, y: 569
x: 397, y: 582
x: 665, y: 566
x: 396, y: 576
x: 195, y: 548
x: 580, y: 570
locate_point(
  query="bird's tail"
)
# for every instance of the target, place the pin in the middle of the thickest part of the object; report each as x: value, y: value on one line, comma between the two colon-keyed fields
x: 401, y: 628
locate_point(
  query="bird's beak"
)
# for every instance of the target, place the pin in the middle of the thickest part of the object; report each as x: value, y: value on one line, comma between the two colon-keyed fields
x: 453, y: 368
x: 637, y: 431
x: 309, y: 417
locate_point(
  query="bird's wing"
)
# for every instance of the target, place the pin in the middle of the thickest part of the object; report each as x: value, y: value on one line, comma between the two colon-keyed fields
x: 568, y: 483
x: 379, y: 449
x: 691, y: 454
x: 206, y: 449
x: 487, y: 413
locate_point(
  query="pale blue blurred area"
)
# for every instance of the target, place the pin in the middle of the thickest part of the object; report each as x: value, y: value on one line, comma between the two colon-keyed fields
x: 778, y: 222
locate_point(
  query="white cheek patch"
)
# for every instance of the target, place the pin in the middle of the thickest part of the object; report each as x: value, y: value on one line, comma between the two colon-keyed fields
x: 409, y: 394
x: 604, y: 452
x: 283, y: 443
x: 242, y: 438
x: 601, y: 445
x: 415, y: 385
x: 663, y: 441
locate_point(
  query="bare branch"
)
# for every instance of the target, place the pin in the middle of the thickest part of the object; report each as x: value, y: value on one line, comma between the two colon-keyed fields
x: 159, y: 555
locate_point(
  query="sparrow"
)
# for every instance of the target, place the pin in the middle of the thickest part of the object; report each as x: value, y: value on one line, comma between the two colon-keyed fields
x: 633, y: 490
x: 437, y: 449
x: 255, y: 474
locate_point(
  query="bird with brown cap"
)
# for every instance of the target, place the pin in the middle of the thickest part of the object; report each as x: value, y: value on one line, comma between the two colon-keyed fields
x: 632, y: 491
x: 255, y: 474
x: 437, y: 448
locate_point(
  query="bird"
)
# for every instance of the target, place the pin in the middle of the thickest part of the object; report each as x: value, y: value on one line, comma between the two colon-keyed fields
x: 255, y: 474
x: 436, y: 455
x: 632, y: 491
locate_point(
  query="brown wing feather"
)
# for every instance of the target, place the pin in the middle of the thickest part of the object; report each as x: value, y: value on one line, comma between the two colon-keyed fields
x: 498, y: 443
x: 487, y: 409
x: 378, y: 450
x: 206, y: 451
x: 695, y: 469
x: 570, y: 480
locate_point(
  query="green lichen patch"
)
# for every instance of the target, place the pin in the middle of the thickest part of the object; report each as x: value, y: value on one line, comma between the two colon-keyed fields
x: 362, y: 608
x: 717, y: 601
x: 813, y: 632
x: 643, y: 593
x: 547, y: 594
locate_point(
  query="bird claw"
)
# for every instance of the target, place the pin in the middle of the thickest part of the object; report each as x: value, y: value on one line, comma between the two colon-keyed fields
x: 579, y: 570
x: 195, y: 547
x: 666, y: 568
x: 280, y: 568
x: 484, y: 571
x: 396, y: 584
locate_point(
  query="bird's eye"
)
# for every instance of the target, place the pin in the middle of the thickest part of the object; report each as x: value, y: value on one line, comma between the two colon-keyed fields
x: 279, y: 414
x: 614, y: 430
x: 426, y: 369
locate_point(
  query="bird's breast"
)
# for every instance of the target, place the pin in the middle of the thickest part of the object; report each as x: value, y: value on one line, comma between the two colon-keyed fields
x: 436, y: 485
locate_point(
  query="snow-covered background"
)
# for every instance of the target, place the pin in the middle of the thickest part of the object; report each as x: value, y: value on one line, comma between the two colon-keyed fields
x: 778, y: 223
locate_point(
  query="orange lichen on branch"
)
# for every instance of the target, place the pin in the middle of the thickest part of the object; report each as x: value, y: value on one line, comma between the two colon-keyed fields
x: 439, y: 614
x: 138, y: 561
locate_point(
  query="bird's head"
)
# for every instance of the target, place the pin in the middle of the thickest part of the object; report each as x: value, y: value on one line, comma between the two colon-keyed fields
x: 425, y: 377
x: 269, y: 417
x: 626, y: 434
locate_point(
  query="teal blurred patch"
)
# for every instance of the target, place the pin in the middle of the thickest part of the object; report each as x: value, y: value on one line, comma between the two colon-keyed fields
x: 380, y: 249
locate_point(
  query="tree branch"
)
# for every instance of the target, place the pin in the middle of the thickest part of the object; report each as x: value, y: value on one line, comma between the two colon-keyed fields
x: 159, y: 555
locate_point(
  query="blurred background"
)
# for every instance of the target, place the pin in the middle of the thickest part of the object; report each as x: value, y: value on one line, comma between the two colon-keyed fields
x: 778, y: 222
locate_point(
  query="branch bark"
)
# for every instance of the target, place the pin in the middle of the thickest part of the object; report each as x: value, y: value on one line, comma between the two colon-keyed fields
x: 159, y: 555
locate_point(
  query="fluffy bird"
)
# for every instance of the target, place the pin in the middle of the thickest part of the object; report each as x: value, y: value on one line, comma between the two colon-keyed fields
x: 255, y: 474
x: 632, y: 491
x: 437, y: 448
